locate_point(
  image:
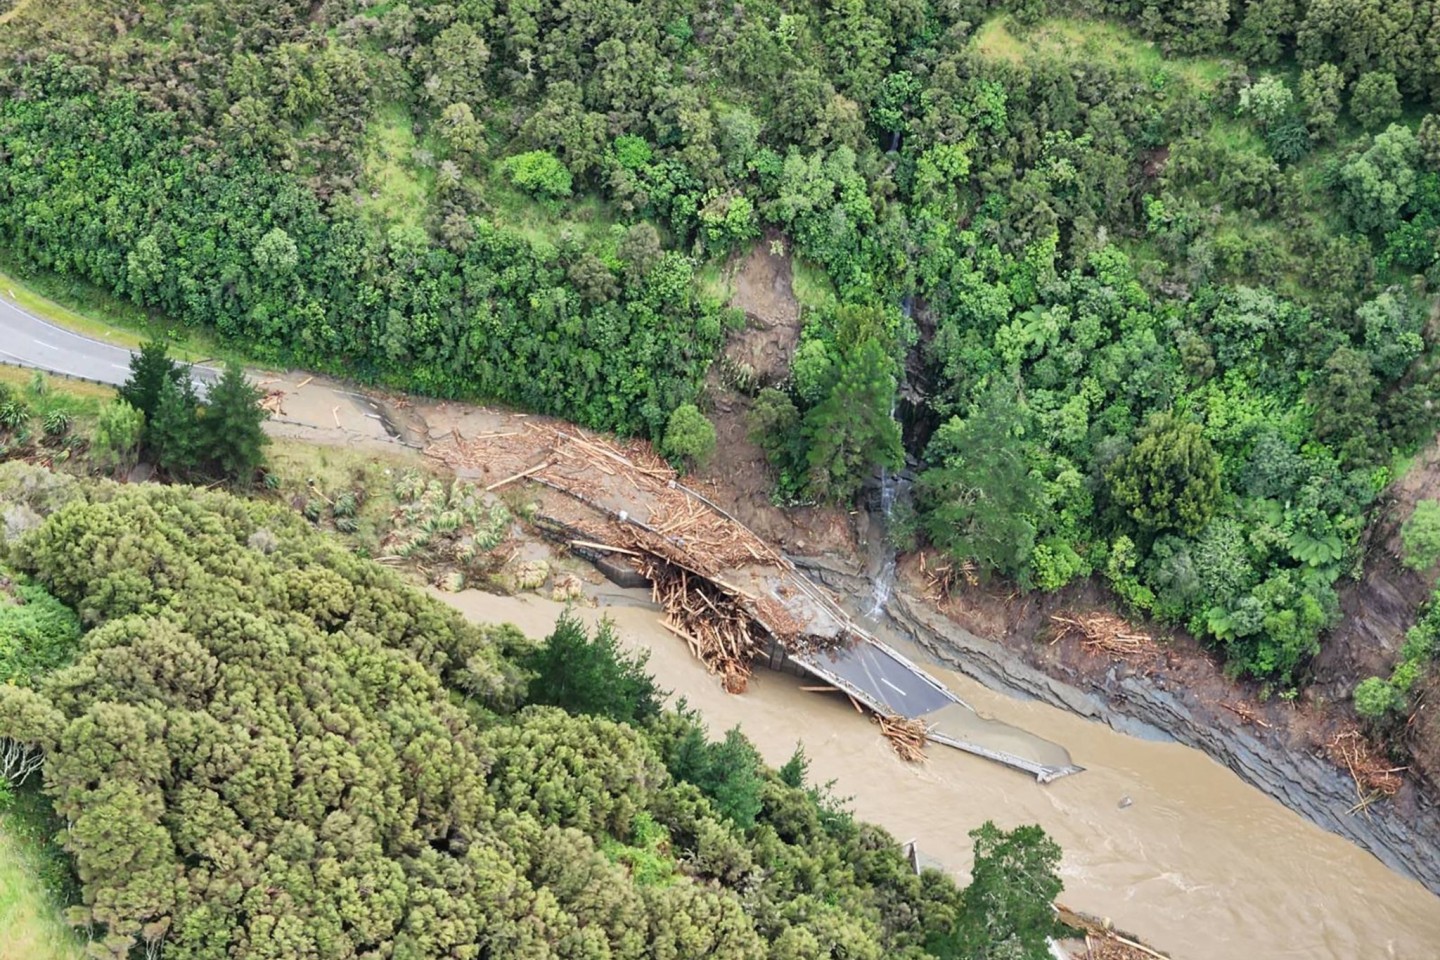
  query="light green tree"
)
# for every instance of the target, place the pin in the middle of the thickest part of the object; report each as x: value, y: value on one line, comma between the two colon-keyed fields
x: 689, y: 436
x: 1420, y: 536
x: 118, y: 431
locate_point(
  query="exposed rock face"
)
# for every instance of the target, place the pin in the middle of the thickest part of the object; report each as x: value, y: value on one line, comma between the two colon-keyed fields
x: 1403, y: 834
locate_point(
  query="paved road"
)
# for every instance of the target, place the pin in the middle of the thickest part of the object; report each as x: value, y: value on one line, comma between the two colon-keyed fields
x: 887, y: 678
x: 27, y: 340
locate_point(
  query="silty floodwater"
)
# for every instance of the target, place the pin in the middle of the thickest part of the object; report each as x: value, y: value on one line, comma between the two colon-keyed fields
x: 1157, y: 836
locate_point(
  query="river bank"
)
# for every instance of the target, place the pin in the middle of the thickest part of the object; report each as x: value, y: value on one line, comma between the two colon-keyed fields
x: 1181, y: 698
x: 1156, y: 836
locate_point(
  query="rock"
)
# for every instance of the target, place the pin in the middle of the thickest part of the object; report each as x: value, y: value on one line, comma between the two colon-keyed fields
x: 1125, y: 802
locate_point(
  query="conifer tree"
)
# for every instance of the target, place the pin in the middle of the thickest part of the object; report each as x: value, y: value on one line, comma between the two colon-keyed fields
x: 150, y: 370
x: 851, y: 431
x: 232, y: 429
x: 173, y: 433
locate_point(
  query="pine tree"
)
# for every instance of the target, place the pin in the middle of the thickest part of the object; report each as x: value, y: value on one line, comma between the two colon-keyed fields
x: 851, y: 431
x: 173, y: 433
x: 232, y: 431
x: 150, y: 370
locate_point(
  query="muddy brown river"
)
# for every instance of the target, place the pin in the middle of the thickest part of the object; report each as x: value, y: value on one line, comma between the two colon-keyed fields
x: 1197, y: 862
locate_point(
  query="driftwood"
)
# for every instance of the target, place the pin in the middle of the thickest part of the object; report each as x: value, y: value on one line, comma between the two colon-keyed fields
x: 1372, y: 775
x: 907, y: 735
x: 721, y: 634
x: 517, y: 476
x: 1104, y: 633
x: 1104, y: 942
x: 1246, y: 714
x: 942, y: 577
x: 589, y: 545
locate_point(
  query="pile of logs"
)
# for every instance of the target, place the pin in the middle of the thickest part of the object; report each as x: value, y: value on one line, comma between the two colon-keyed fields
x: 1372, y: 775
x: 941, y: 576
x: 1102, y: 940
x: 1104, y: 633
x: 718, y: 632
x: 606, y: 475
x: 273, y: 402
x: 906, y: 735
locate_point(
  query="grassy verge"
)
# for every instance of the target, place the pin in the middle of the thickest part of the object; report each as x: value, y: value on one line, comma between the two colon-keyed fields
x: 35, y: 883
x: 90, y: 311
x: 400, y: 188
x: 318, y: 476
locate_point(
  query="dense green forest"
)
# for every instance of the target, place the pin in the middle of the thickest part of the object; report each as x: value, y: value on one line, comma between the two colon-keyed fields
x: 1169, y: 260
x: 260, y: 745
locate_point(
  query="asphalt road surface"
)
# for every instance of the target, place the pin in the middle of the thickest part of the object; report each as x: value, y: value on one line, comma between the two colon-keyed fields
x: 27, y: 340
x: 885, y: 677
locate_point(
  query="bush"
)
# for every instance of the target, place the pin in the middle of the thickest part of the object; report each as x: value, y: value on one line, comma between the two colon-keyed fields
x: 689, y: 436
x: 1375, y: 101
x: 1376, y: 698
x: 539, y: 172
x: 1420, y: 536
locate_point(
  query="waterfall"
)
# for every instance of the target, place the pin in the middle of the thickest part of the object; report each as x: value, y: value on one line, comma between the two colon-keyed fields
x: 892, y: 486
x: 884, y: 581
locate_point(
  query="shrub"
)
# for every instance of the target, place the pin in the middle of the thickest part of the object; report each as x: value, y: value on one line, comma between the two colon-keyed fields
x: 539, y: 172
x: 1420, y: 536
x: 1375, y: 698
x: 689, y: 436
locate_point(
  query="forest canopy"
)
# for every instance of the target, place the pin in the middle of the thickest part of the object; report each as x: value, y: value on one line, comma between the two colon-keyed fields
x: 264, y: 746
x: 1186, y: 247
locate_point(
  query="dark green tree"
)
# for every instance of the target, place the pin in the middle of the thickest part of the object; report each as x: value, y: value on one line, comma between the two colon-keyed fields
x: 851, y: 431
x: 731, y: 779
x: 582, y: 673
x: 1008, y: 910
x: 981, y: 498
x: 174, y: 435
x: 233, y: 426
x: 1375, y: 100
x: 1170, y: 479
x: 1343, y: 398
x: 150, y: 370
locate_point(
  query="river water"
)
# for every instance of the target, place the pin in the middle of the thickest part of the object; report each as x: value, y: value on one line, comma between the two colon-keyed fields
x: 1197, y: 862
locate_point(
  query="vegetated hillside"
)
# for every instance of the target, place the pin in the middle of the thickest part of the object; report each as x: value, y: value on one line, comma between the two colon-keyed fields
x: 1169, y: 268
x: 267, y: 747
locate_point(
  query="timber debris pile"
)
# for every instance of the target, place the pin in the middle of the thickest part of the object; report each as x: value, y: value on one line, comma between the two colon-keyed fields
x: 1103, y: 633
x: 718, y: 632
x: 1372, y: 775
x: 725, y: 591
x: 907, y: 735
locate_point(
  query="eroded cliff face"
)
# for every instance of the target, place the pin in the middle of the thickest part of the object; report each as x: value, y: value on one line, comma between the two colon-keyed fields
x: 1404, y: 833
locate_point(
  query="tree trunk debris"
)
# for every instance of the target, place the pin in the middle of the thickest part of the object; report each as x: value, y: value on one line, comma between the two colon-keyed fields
x: 1104, y: 633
